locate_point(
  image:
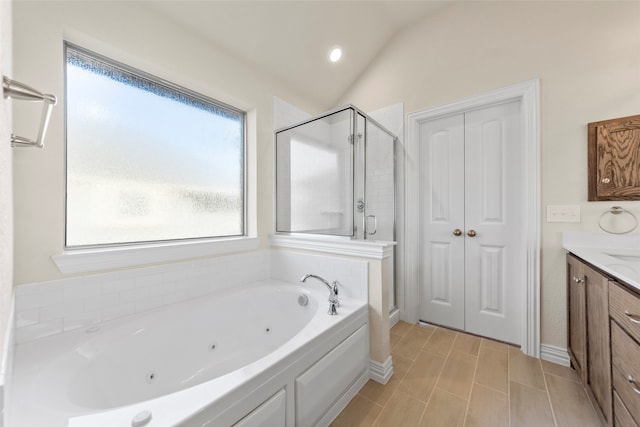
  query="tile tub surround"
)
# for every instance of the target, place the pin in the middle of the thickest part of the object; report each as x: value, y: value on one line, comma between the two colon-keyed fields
x: 290, y: 266
x: 48, y: 308
x: 378, y: 256
x: 448, y: 378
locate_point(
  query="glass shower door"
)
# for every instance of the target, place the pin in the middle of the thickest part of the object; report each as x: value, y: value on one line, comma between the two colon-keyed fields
x: 379, y: 184
x: 379, y: 216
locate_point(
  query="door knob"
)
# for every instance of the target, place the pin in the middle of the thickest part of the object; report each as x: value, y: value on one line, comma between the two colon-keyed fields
x: 471, y: 233
x: 457, y: 232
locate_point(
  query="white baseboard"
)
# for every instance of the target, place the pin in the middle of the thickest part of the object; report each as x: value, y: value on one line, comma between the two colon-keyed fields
x: 554, y: 354
x: 381, y: 372
x: 394, y: 317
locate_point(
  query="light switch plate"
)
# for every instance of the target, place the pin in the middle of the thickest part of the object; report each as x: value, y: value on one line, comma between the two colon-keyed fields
x: 563, y: 213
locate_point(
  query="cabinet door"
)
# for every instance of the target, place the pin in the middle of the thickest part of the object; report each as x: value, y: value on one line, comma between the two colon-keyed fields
x: 598, y: 347
x: 577, y: 319
x: 614, y: 159
x: 270, y: 413
x: 324, y: 383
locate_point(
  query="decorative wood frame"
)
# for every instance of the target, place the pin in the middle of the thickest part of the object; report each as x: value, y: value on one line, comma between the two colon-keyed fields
x: 614, y: 159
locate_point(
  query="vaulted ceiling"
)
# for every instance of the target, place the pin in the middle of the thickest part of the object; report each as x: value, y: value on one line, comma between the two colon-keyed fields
x: 291, y: 39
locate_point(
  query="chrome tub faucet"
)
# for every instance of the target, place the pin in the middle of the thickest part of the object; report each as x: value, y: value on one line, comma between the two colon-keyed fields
x: 333, y: 292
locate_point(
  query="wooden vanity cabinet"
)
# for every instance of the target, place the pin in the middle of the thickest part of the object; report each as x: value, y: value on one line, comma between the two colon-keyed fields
x: 624, y: 306
x: 588, y: 332
x: 577, y: 320
x: 614, y: 159
x: 598, y: 339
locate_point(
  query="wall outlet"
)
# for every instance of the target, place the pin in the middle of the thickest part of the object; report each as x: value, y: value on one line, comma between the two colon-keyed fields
x: 563, y: 213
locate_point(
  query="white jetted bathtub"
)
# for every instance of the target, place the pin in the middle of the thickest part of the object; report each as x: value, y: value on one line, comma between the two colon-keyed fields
x: 254, y: 356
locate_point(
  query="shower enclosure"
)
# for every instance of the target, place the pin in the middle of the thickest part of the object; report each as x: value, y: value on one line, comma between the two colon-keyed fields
x: 335, y: 176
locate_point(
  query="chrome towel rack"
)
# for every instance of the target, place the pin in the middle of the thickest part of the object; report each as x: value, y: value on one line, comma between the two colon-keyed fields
x: 16, y: 90
x: 618, y: 220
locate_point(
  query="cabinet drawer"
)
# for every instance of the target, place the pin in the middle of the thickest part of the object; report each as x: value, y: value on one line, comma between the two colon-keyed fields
x: 622, y: 416
x: 625, y: 354
x: 624, y: 307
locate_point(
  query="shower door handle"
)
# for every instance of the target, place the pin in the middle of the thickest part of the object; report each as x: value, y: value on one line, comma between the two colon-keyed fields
x: 375, y: 225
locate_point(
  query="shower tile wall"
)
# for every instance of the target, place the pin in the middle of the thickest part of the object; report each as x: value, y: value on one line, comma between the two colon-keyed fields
x: 380, y: 191
x: 314, y: 193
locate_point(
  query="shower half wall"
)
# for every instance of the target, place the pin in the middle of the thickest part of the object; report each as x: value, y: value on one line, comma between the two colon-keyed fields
x: 335, y: 176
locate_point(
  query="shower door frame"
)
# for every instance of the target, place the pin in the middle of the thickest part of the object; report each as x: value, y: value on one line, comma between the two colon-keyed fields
x: 398, y: 269
x: 355, y: 111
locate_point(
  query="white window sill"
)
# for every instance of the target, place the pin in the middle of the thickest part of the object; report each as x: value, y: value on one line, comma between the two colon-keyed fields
x: 92, y: 260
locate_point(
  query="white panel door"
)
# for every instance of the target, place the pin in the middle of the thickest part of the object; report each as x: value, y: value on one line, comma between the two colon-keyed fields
x: 442, y: 213
x: 494, y: 256
x: 470, y: 175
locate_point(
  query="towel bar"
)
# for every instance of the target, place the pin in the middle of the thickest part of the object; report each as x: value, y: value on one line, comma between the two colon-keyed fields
x: 16, y: 90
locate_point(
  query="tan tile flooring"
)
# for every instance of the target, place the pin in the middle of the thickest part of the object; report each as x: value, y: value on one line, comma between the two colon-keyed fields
x: 447, y: 378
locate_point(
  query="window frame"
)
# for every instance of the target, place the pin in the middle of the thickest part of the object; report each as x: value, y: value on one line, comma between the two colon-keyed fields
x: 139, y: 247
x: 91, y: 258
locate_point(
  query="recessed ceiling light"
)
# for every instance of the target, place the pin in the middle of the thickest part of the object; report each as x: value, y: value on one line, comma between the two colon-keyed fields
x: 335, y: 54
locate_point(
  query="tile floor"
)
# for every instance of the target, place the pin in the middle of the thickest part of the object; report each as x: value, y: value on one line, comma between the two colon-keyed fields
x: 448, y: 378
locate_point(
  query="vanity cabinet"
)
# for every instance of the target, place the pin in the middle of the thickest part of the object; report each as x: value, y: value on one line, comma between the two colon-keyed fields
x: 625, y: 353
x: 598, y: 339
x: 577, y: 312
x: 588, y: 332
x: 614, y: 159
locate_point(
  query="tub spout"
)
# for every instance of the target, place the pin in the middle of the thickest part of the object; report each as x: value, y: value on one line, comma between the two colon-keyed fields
x: 333, y: 292
x: 306, y: 276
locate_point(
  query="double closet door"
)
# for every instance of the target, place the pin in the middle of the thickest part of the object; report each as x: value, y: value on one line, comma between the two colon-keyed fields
x: 472, y: 252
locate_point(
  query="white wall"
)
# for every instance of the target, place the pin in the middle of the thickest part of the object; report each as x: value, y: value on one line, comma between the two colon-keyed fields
x: 587, y: 55
x: 129, y: 32
x: 6, y: 192
x: 6, y: 210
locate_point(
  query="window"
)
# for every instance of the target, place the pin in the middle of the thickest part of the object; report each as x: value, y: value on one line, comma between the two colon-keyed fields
x: 147, y: 161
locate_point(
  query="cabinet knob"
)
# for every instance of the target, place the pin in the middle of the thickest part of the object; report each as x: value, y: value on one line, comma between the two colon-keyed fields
x: 457, y: 232
x: 578, y: 279
x: 471, y: 233
x: 605, y: 180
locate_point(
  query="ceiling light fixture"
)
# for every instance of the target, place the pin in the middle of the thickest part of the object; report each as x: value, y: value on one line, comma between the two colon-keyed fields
x: 335, y: 54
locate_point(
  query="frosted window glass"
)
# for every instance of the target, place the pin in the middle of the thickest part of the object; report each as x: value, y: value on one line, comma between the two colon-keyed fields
x: 147, y: 161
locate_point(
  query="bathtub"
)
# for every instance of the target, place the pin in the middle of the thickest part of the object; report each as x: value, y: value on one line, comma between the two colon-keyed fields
x: 256, y: 355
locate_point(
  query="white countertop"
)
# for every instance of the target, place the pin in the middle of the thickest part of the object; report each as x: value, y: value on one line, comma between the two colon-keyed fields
x: 617, y: 255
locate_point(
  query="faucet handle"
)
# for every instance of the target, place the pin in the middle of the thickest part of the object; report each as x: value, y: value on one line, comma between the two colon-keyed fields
x: 333, y: 298
x: 332, y: 308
